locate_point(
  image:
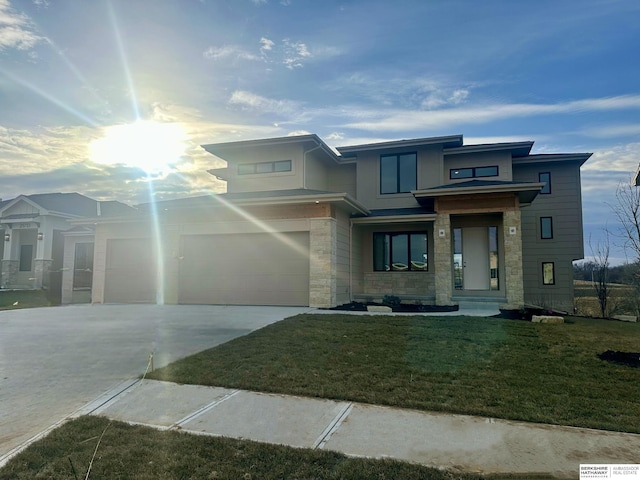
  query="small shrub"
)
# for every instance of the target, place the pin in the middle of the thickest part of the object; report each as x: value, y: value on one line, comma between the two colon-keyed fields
x: 391, y: 300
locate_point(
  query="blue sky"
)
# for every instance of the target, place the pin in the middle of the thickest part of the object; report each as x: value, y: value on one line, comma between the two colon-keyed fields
x: 564, y: 73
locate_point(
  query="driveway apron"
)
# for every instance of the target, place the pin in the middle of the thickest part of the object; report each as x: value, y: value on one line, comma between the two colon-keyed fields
x: 55, y: 360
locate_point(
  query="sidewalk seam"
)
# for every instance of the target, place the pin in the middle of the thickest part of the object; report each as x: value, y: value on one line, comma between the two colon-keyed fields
x: 333, y: 426
x: 202, y: 410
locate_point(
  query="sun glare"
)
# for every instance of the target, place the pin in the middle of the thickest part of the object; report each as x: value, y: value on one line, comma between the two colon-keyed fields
x: 151, y: 146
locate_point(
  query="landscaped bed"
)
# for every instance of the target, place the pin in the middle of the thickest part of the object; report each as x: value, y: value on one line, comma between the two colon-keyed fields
x: 482, y: 366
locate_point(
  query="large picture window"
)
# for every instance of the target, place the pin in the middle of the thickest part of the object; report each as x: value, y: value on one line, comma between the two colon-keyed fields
x: 398, y: 173
x: 400, y: 251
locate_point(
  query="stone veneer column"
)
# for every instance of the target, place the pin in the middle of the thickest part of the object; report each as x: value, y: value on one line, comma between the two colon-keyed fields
x: 442, y: 261
x: 514, y: 283
x: 9, y: 272
x: 41, y: 272
x: 323, y: 243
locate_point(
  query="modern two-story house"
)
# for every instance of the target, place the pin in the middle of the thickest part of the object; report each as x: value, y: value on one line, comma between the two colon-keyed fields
x: 429, y: 220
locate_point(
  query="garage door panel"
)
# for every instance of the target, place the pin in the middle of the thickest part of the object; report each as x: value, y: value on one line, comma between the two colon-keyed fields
x: 130, y: 273
x: 248, y: 269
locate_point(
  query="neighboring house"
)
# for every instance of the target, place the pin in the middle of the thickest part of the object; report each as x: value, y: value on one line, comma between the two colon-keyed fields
x: 429, y: 220
x: 33, y: 229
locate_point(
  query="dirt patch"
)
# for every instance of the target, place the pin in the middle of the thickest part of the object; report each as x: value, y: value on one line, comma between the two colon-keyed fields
x: 630, y: 359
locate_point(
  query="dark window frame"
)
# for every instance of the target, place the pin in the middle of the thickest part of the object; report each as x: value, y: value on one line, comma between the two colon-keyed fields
x: 474, y: 173
x: 553, y: 273
x: 398, y: 188
x: 542, y: 228
x: 261, y: 168
x: 546, y: 190
x: 410, y: 265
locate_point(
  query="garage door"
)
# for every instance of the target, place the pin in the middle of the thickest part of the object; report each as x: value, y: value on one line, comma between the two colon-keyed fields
x: 130, y: 272
x: 247, y: 269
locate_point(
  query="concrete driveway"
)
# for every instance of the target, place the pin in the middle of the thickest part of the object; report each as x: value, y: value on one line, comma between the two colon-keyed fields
x: 55, y: 360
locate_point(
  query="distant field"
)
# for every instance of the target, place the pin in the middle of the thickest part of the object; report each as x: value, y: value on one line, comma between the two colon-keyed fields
x: 623, y: 299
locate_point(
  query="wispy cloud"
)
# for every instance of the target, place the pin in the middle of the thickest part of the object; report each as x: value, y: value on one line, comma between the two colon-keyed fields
x: 397, y: 120
x: 266, y: 45
x: 16, y: 29
x: 229, y: 51
x: 611, y: 131
x: 251, y: 101
x: 294, y: 53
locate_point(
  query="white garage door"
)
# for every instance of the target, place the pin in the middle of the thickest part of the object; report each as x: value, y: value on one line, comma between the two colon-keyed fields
x: 245, y: 269
x: 130, y: 275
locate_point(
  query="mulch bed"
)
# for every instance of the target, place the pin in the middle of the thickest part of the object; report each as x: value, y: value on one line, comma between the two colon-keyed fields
x: 630, y: 359
x: 403, y: 307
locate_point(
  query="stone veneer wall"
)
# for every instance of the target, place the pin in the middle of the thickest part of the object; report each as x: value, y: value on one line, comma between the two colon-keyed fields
x: 9, y: 272
x: 442, y: 261
x: 513, y: 259
x: 413, y: 284
x: 323, y: 262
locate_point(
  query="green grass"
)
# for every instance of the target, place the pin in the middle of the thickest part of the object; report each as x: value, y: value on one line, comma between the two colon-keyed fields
x: 12, y: 299
x: 143, y: 453
x: 482, y: 366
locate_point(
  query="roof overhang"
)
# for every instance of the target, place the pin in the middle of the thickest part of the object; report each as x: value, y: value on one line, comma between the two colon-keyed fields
x: 447, y: 142
x: 636, y: 177
x: 526, y: 192
x: 226, y: 150
x: 424, y: 217
x: 517, y: 149
x: 343, y: 200
x: 581, y: 158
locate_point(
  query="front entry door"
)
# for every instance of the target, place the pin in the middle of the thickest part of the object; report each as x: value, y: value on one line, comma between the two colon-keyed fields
x: 475, y: 254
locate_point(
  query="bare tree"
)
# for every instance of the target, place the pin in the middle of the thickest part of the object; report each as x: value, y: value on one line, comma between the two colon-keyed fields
x: 627, y: 210
x: 600, y: 272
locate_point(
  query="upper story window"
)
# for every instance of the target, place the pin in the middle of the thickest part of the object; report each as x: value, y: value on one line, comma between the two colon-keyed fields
x: 264, y: 167
x: 473, y: 172
x: 545, y: 177
x: 398, y: 173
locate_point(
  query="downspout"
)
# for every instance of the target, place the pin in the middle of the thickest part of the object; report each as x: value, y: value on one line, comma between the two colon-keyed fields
x: 304, y: 164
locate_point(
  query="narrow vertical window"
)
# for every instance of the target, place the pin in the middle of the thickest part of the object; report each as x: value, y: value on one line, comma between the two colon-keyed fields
x: 545, y: 177
x: 83, y: 266
x: 548, y: 273
x: 546, y: 228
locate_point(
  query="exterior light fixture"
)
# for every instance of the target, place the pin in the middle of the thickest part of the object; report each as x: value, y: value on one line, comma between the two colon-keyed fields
x: 7, y: 237
x: 40, y: 235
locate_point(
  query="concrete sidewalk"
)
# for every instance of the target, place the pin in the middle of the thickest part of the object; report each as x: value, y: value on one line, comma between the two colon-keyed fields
x: 458, y: 442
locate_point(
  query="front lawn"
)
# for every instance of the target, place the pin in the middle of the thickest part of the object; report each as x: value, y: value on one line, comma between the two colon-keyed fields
x: 481, y: 366
x: 12, y: 299
x: 127, y: 451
